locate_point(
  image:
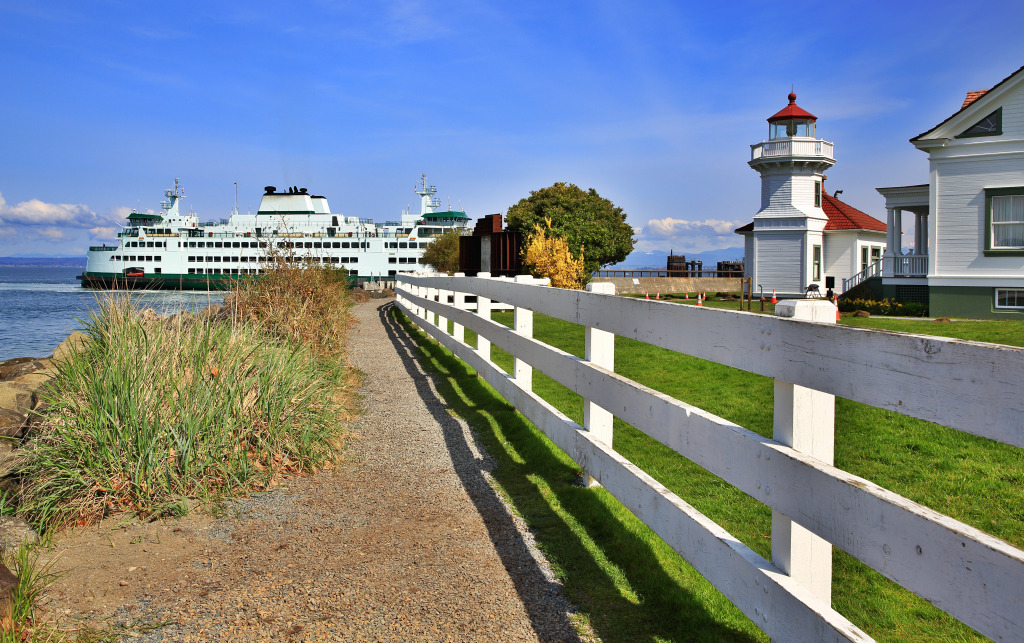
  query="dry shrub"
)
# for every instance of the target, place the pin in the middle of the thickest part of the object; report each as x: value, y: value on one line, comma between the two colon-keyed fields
x: 304, y: 302
x: 548, y: 256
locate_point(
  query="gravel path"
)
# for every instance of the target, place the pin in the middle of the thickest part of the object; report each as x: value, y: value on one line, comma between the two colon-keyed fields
x: 405, y: 541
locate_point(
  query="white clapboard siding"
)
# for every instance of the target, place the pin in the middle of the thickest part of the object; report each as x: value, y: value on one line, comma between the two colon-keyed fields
x: 971, y: 575
x: 780, y: 607
x: 969, y: 386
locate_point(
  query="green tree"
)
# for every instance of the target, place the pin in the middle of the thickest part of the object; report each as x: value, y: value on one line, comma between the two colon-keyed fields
x: 582, y: 219
x: 442, y: 254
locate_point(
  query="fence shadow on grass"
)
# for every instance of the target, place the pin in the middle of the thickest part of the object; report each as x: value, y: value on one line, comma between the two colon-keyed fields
x: 644, y: 603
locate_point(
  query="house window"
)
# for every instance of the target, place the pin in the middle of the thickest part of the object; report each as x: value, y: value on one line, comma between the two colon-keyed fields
x: 1009, y: 298
x: 816, y: 263
x: 817, y: 194
x: 864, y: 254
x: 991, y: 125
x: 1004, y: 218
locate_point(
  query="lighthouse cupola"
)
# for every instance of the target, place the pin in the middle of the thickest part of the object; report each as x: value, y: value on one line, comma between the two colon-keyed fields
x: 791, y: 121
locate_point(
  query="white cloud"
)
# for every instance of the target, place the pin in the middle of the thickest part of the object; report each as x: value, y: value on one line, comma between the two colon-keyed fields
x: 39, y: 213
x: 669, y: 227
x: 688, y: 236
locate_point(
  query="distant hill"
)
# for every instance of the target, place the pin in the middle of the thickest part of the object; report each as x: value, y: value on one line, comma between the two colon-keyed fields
x: 43, y: 262
x: 659, y: 258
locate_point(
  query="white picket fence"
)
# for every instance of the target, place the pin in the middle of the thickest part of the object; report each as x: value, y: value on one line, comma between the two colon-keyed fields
x: 972, y: 387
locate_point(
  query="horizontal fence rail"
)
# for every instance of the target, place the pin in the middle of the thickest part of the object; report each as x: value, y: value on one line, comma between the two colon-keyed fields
x: 975, y: 577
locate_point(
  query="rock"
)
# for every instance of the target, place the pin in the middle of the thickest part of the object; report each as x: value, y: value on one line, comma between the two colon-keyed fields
x: 213, y: 311
x: 944, y: 320
x: 74, y: 343
x: 33, y: 381
x: 862, y: 313
x: 149, y: 316
x: 9, y: 369
x: 14, y: 532
x: 11, y: 423
x: 7, y: 583
x: 16, y: 397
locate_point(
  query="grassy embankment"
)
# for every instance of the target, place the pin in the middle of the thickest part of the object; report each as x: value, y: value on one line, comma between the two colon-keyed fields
x: 153, y: 417
x: 630, y: 585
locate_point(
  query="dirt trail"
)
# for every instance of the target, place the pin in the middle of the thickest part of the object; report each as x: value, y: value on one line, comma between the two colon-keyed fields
x: 404, y: 541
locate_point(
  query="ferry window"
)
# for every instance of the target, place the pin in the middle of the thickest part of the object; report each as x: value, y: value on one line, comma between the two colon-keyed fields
x: 309, y: 244
x: 156, y: 258
x: 234, y: 271
x: 344, y: 244
x: 236, y: 244
x: 403, y: 245
x: 353, y: 272
x: 336, y: 244
x: 392, y: 273
x: 317, y: 244
x: 334, y: 260
x: 191, y: 271
x: 216, y: 271
x: 353, y: 260
x: 209, y: 259
x: 156, y: 270
x: 424, y: 244
x: 366, y: 244
x: 392, y: 260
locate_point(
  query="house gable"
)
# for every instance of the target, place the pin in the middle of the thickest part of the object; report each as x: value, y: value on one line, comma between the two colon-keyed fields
x: 1005, y: 101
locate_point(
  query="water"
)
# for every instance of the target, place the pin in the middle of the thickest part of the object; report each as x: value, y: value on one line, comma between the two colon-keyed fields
x: 40, y: 306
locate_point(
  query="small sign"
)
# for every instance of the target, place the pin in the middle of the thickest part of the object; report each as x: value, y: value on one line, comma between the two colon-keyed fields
x: 636, y: 282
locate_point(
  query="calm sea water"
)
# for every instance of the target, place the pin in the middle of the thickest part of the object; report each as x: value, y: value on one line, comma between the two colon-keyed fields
x: 39, y: 307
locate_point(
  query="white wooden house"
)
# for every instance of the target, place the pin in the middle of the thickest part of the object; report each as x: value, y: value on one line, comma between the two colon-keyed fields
x: 801, y: 235
x: 968, y: 249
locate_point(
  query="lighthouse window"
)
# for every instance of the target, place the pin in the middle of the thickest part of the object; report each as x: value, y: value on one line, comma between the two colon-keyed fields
x: 816, y: 263
x: 817, y: 194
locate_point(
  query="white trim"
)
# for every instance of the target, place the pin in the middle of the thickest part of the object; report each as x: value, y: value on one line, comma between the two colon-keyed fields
x: 1020, y: 298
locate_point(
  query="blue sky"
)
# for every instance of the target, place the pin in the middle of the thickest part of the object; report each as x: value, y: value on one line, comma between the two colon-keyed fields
x: 653, y: 104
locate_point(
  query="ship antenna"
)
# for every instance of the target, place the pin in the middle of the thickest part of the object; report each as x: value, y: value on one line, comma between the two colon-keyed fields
x: 236, y: 197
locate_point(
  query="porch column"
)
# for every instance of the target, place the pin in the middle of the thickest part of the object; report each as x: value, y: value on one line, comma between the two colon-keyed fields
x: 888, y: 257
x: 898, y: 234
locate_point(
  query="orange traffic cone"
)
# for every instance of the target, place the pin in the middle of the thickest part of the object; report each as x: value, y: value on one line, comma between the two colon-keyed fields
x: 774, y: 300
x: 659, y: 295
x: 700, y: 300
x: 687, y: 296
x: 646, y: 296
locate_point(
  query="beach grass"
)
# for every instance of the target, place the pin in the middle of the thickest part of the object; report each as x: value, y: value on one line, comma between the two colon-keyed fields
x: 155, y: 415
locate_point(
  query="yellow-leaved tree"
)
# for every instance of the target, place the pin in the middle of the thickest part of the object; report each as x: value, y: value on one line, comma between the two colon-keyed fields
x: 547, y: 256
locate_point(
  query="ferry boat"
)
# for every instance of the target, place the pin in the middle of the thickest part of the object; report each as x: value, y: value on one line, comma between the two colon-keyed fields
x: 172, y: 250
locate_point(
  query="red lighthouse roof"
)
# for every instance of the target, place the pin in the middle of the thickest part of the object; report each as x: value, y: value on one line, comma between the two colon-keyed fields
x: 792, y: 111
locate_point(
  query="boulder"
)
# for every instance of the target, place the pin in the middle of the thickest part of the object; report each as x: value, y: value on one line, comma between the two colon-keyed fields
x: 16, y: 397
x: 213, y: 311
x: 861, y: 313
x: 23, y: 366
x: 944, y: 320
x: 14, y: 532
x: 11, y: 423
x: 34, y: 381
x: 74, y: 343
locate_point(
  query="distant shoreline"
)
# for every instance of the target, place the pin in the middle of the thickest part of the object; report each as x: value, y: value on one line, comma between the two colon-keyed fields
x: 42, y: 262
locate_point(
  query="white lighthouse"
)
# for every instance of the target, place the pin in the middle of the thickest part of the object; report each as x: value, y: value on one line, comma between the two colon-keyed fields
x: 785, y: 250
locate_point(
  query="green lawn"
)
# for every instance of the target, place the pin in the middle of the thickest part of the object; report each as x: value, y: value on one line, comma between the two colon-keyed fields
x: 630, y: 585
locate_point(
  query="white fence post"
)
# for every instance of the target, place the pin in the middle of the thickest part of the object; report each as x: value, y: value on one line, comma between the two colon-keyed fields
x: 600, y: 351
x: 459, y: 303
x: 429, y: 294
x: 483, y: 309
x: 522, y: 323
x: 805, y: 420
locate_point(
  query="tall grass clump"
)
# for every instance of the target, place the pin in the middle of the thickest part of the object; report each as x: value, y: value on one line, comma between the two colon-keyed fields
x: 150, y: 414
x: 300, y: 301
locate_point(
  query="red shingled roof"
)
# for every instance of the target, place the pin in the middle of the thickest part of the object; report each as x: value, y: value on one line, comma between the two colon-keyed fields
x: 792, y: 111
x: 843, y: 216
x: 973, y: 96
